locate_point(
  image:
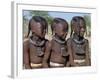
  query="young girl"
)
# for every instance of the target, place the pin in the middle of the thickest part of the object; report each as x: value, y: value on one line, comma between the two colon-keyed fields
x: 56, y: 54
x: 79, y: 46
x: 34, y: 45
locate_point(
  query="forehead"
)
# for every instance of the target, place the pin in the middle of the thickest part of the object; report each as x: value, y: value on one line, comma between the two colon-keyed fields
x: 79, y: 23
x: 35, y: 24
x: 60, y: 26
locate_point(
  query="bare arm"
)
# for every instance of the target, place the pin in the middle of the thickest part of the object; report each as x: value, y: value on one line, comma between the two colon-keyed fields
x: 26, y: 54
x: 87, y: 53
x: 47, y: 55
x: 69, y: 46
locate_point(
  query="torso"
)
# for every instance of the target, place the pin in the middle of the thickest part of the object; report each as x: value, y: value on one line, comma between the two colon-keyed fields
x: 56, y: 54
x: 35, y: 56
x: 79, y: 50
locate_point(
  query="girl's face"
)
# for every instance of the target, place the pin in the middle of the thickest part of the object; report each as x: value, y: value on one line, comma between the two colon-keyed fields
x: 79, y: 28
x: 38, y: 29
x: 60, y: 30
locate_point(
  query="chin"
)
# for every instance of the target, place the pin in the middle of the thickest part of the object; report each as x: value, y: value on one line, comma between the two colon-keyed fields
x: 82, y: 35
x: 42, y: 37
x: 63, y: 38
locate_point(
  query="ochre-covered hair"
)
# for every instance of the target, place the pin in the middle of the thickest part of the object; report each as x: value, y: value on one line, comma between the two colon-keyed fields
x: 76, y: 19
x: 39, y: 19
x: 58, y: 20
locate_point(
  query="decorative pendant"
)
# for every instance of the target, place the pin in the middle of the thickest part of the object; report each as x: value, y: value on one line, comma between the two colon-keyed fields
x: 64, y: 51
x: 39, y: 51
x: 79, y: 49
x: 62, y: 44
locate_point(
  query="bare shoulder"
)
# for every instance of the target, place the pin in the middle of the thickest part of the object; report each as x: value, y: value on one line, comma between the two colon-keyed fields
x: 48, y: 44
x: 26, y: 41
x: 69, y: 41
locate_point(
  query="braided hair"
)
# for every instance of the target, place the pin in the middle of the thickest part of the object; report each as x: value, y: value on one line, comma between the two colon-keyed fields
x: 76, y: 19
x: 56, y: 21
x: 39, y: 19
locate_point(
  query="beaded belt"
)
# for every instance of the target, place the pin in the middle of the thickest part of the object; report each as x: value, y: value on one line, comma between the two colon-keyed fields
x: 36, y: 65
x: 56, y: 64
x: 79, y: 61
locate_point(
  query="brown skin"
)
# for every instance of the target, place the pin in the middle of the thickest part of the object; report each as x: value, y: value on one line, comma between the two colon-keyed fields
x: 74, y: 56
x: 38, y: 29
x: 71, y: 60
x: 29, y: 51
x: 52, y: 52
x: 79, y: 31
x: 26, y: 55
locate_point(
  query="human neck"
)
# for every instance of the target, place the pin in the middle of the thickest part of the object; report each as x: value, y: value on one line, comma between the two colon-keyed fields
x: 77, y: 37
x: 36, y: 38
x: 58, y: 39
x: 56, y: 36
x: 37, y: 41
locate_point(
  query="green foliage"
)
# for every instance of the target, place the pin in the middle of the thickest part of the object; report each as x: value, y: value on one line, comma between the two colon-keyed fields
x: 88, y: 20
x: 88, y: 24
x: 43, y: 14
x: 25, y: 25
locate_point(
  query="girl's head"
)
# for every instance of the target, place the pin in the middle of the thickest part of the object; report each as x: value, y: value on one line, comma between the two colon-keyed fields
x: 38, y: 26
x: 78, y: 26
x: 59, y: 27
